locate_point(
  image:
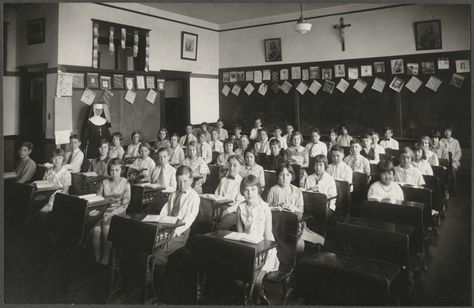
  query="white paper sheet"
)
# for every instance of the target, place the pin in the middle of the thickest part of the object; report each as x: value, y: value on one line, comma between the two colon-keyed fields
x: 249, y: 88
x: 62, y: 136
x: 151, y: 96
x: 433, y: 83
x: 342, y: 85
x: 378, y: 84
x: 257, y: 76
x: 225, y: 90
x: 88, y: 97
x: 360, y: 85
x: 262, y: 90
x: 130, y: 96
x: 302, y: 88
x: 64, y: 84
x: 236, y: 89
x: 413, y: 84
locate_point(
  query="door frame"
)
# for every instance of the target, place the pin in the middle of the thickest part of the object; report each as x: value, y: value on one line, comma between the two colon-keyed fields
x: 185, y: 78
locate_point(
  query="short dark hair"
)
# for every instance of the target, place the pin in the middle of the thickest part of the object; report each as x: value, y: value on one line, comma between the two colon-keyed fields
x: 134, y: 133
x: 117, y: 134
x: 250, y: 150
x: 385, y: 166
x: 284, y: 165
x: 103, y: 141
x: 237, y: 126
x: 343, y: 126
x: 146, y: 145
x: 114, y: 162
x: 59, y: 152
x: 321, y: 159
x: 436, y: 134
x: 237, y: 158
x: 366, y: 136
x: 275, y: 141
x: 27, y: 145
x: 333, y: 130
x: 228, y: 141
x: 204, y: 124
x: 417, y: 147
x: 219, y: 120
x: 162, y: 149
x: 316, y: 130
x: 387, y: 128
x: 250, y: 180
x: 163, y: 130
x: 355, y: 141
x: 182, y: 170
x: 337, y: 148
x: 74, y: 136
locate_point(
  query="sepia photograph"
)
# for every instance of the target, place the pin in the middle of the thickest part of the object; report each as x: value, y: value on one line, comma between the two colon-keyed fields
x: 237, y: 153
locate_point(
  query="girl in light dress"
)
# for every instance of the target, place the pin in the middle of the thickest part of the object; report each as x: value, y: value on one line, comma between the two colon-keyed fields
x: 198, y: 165
x: 385, y: 189
x: 132, y: 149
x: 58, y: 175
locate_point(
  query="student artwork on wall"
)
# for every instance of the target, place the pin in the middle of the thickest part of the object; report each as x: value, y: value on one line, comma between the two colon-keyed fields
x: 161, y: 84
x: 433, y: 83
x: 457, y: 80
x: 427, y: 67
x: 64, y: 84
x: 78, y: 81
x: 379, y: 67
x: 328, y: 86
x: 92, y: 80
x: 249, y: 76
x: 151, y: 96
x: 236, y: 89
x: 189, y: 46
x: 397, y: 84
x: 428, y: 34
x: 225, y: 77
x: 105, y: 82
x: 366, y: 70
x: 342, y: 85
x: 397, y: 66
x: 353, y: 73
x: 463, y: 66
x: 314, y: 72
x: 314, y: 87
x: 284, y: 74
x: 286, y: 87
x: 233, y: 77
x: 225, y: 90
x: 305, y: 74
x: 267, y: 75
x: 106, y: 97
x: 378, y: 85
x: 118, y: 81
x: 88, y: 97
x: 302, y: 87
x: 360, y: 85
x: 327, y: 73
x: 443, y: 64
x: 339, y: 70
x: 262, y: 90
x: 140, y: 82
x: 413, y: 84
x: 130, y: 96
x: 412, y: 69
x: 249, y: 89
x: 275, y: 76
x: 129, y: 83
x: 272, y: 49
x: 150, y: 82
x: 257, y: 77
x: 295, y: 72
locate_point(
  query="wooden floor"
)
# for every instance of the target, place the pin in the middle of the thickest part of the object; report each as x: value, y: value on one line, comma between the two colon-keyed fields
x: 30, y: 276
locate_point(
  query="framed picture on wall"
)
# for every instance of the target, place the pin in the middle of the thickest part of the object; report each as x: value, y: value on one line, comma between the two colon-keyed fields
x: 428, y: 34
x: 272, y: 49
x: 35, y: 30
x: 189, y: 45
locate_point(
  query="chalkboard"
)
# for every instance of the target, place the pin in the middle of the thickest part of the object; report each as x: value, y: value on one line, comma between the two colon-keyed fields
x: 409, y: 114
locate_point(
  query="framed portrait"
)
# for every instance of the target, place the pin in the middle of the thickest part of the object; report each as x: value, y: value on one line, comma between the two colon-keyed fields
x: 412, y: 68
x: 314, y: 72
x: 272, y: 49
x: 233, y: 77
x: 150, y: 82
x: 427, y: 67
x: 129, y: 83
x: 267, y: 75
x: 353, y: 73
x: 189, y: 45
x: 443, y: 64
x: 397, y: 84
x: 366, y: 71
x: 226, y: 77
x: 339, y: 70
x: 35, y: 30
x: 463, y: 66
x: 327, y: 74
x: 295, y: 72
x: 428, y: 34
x: 140, y: 82
x: 397, y: 66
x: 105, y: 82
x: 379, y: 67
x: 241, y: 76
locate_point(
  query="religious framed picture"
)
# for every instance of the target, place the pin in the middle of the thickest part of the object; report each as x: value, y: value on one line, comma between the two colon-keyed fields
x: 463, y: 66
x: 233, y: 77
x: 412, y: 69
x: 241, y: 76
x: 427, y: 67
x: 35, y: 30
x: 428, y: 34
x: 379, y: 67
x: 366, y: 70
x: 226, y: 77
x: 189, y: 45
x: 272, y: 49
x: 327, y: 73
x: 397, y: 66
x: 105, y: 82
x: 129, y: 83
x: 339, y: 70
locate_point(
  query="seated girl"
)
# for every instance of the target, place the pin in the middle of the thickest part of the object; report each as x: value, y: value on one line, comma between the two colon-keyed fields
x: 204, y: 149
x: 254, y: 217
x: 100, y: 163
x: 228, y: 152
x: 285, y: 195
x: 132, y: 148
x: 297, y: 154
x: 406, y: 173
x: 251, y: 167
x: 197, y: 165
x: 385, y: 189
x: 144, y: 162
x: 118, y: 189
x: 176, y: 152
x: 439, y: 149
x: 116, y: 150
x: 162, y: 141
x: 58, y: 175
x: 320, y: 181
x: 420, y: 162
x: 215, y: 143
x: 344, y: 139
x: 431, y: 157
x: 332, y: 138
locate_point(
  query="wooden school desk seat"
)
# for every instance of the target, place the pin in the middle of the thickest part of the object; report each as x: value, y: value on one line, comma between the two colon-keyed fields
x: 270, y: 181
x: 360, y: 185
x: 84, y: 183
x: 39, y: 172
x: 212, y: 180
x: 432, y: 182
x: 361, y: 266
x: 228, y: 259
x: 18, y: 200
x: 343, y: 202
x: 143, y: 195
x: 422, y: 195
x: 442, y: 174
x: 317, y: 206
x: 210, y: 213
x: 133, y: 244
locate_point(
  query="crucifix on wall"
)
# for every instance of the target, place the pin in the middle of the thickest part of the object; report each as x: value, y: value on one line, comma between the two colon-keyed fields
x: 340, y: 31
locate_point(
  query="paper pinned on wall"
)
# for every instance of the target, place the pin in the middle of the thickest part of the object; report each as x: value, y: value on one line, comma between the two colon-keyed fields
x: 286, y: 87
x: 257, y: 77
x: 64, y: 84
x: 88, y: 96
x: 378, y: 84
x: 63, y: 113
x: 305, y: 74
x: 236, y: 89
x: 62, y: 136
x: 130, y: 96
x: 413, y: 84
x: 249, y: 89
x: 151, y: 96
x: 342, y: 85
x: 267, y: 75
x: 314, y: 87
x: 457, y: 80
x: 433, y: 83
x: 225, y: 90
x: 263, y: 89
x: 302, y: 88
x: 360, y: 85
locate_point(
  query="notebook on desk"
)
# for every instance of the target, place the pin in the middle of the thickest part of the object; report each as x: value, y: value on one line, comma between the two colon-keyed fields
x: 216, y: 198
x: 9, y: 175
x: 243, y: 237
x: 92, y: 198
x: 90, y: 173
x: 43, y: 184
x: 160, y: 219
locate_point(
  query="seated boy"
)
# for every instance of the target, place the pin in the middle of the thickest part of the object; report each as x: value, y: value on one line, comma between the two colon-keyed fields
x: 164, y: 174
x: 75, y: 156
x: 221, y: 131
x: 99, y: 164
x: 338, y: 169
x: 368, y: 151
x: 357, y: 162
x: 316, y: 147
x: 26, y: 167
x: 205, y: 131
x: 277, y: 155
x: 188, y: 137
x: 388, y: 142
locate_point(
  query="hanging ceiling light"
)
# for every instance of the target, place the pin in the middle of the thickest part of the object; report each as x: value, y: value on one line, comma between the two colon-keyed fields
x: 301, y: 25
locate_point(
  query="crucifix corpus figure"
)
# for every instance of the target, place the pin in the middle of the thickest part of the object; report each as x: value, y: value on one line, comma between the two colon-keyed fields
x: 340, y: 31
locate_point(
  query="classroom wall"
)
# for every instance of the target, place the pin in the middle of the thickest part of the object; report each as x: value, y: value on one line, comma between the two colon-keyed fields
x: 205, y: 94
x: 75, y: 42
x: 375, y: 33
x: 10, y: 82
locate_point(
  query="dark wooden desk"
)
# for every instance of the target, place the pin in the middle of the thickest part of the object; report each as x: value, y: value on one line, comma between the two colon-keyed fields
x: 82, y: 184
x: 210, y: 210
x: 143, y: 195
x: 377, y: 224
x: 229, y: 259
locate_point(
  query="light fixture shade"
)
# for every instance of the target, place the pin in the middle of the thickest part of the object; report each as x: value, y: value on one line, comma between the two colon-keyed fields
x: 302, y: 26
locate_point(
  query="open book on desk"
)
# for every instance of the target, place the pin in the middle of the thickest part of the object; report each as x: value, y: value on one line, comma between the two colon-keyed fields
x: 243, y: 237
x: 9, y: 175
x: 90, y: 173
x: 216, y: 198
x: 150, y: 185
x: 92, y: 198
x: 44, y: 185
x: 160, y: 219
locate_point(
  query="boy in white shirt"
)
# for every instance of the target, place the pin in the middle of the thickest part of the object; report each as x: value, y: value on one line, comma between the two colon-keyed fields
x: 277, y: 135
x: 389, y: 142
x: 375, y: 143
x: 221, y: 131
x: 75, y: 157
x: 216, y: 144
x: 355, y: 160
x: 255, y: 129
x: 368, y: 151
x: 164, y: 174
x: 262, y: 146
x: 186, y: 139
x: 338, y: 169
x: 453, y: 146
x: 316, y: 147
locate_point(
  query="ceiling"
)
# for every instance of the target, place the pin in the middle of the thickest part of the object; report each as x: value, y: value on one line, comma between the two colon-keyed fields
x: 222, y: 13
